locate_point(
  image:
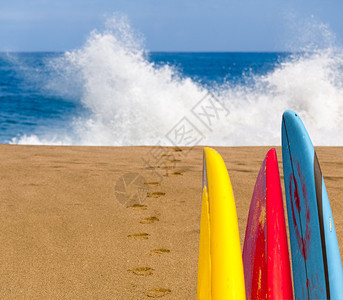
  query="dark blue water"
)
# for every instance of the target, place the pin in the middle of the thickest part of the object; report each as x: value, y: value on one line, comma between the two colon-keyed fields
x: 31, y: 104
x: 217, y: 68
x: 26, y: 106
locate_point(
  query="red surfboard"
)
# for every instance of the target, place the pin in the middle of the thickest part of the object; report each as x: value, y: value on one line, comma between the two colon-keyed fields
x: 265, y: 253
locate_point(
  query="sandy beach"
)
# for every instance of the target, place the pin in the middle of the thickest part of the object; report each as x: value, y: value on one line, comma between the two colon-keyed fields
x: 118, y: 222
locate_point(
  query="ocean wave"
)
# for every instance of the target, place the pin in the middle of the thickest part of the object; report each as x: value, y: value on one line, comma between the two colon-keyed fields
x: 132, y: 101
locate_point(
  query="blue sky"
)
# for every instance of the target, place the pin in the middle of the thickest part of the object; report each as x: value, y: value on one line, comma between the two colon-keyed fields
x: 171, y: 25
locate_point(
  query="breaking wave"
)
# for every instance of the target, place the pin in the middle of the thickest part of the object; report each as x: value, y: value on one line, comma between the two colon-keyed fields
x: 129, y: 100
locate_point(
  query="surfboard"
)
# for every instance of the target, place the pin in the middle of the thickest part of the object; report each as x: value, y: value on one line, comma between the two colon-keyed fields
x: 316, y: 260
x: 266, y: 260
x: 220, y: 266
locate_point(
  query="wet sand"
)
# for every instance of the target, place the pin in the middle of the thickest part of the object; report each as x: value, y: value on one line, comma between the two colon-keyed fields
x: 118, y: 222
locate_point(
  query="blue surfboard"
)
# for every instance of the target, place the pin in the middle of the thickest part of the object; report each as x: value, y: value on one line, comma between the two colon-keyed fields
x: 316, y: 260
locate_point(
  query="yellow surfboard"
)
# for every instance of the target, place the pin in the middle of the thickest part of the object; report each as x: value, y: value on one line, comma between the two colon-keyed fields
x: 220, y: 268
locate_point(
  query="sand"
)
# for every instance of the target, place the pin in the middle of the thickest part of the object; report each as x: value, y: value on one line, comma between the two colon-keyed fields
x: 70, y: 228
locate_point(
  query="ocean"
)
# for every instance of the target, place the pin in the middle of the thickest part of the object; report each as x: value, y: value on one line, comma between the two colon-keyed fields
x: 113, y: 92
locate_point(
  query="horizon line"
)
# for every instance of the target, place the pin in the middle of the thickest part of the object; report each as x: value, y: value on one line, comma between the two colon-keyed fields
x: 160, y: 51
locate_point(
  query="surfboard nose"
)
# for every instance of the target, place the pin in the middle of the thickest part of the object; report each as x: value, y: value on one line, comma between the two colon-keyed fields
x: 291, y: 121
x: 289, y: 116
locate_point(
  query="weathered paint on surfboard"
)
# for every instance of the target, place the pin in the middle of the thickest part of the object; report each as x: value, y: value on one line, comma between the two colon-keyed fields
x: 316, y: 261
x: 265, y: 252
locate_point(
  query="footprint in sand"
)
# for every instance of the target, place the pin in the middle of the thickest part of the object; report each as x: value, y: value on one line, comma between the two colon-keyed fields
x: 139, y: 236
x: 175, y: 160
x: 142, y: 271
x: 159, y: 251
x: 154, y: 183
x: 177, y: 150
x: 177, y: 173
x: 158, y: 293
x: 149, y: 220
x: 155, y: 194
x: 173, y: 174
x: 138, y: 206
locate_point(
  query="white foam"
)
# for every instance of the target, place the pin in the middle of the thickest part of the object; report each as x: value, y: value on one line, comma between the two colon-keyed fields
x: 131, y: 101
x: 35, y: 140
